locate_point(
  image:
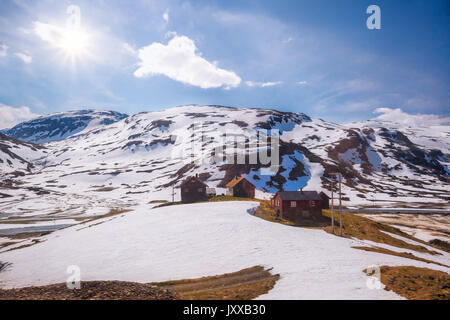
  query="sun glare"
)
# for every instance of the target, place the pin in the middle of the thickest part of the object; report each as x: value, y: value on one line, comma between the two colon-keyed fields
x: 74, y: 42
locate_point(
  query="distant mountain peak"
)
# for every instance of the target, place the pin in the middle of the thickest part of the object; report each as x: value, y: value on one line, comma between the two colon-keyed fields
x: 61, y: 125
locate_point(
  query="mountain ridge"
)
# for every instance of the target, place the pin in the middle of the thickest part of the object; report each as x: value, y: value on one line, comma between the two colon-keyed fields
x: 151, y: 151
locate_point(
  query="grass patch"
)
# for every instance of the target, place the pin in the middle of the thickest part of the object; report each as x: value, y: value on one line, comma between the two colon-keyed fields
x: 245, y: 284
x: 6, y: 244
x: 32, y: 243
x: 440, y: 244
x: 157, y: 201
x: 266, y: 212
x: 416, y: 283
x: 26, y: 235
x: 354, y: 226
x: 111, y: 213
x: 105, y: 189
x: 211, y: 199
x: 90, y: 290
x: 230, y: 198
x: 397, y: 254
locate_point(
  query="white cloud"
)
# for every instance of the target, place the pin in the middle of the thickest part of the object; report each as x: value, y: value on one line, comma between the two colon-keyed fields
x: 48, y: 32
x: 397, y: 115
x: 166, y: 15
x: 130, y: 49
x: 11, y: 116
x: 179, y: 61
x: 302, y: 83
x: 3, y: 50
x: 170, y: 34
x: 263, y: 84
x: 24, y: 57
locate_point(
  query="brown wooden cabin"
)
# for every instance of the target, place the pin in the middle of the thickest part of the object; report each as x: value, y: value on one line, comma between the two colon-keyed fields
x: 298, y: 205
x: 193, y: 189
x: 240, y: 187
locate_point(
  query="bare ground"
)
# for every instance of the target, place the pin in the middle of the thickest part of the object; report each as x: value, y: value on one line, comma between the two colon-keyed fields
x: 416, y: 283
x: 90, y: 290
x: 245, y: 284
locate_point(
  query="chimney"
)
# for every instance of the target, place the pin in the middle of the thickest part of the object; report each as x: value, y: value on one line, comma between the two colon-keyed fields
x: 301, y: 189
x: 196, y: 175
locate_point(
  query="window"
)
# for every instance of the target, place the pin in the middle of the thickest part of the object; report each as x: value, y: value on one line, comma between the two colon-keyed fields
x: 293, y: 204
x: 277, y: 203
x: 200, y: 189
x: 312, y: 203
x: 186, y: 190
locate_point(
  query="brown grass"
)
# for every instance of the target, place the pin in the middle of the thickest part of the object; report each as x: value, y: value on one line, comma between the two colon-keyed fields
x: 33, y: 242
x: 5, y: 244
x: 26, y: 235
x: 90, y: 290
x: 416, y: 283
x: 398, y: 254
x: 245, y: 284
x: 212, y: 199
x: 362, y: 228
x: 158, y: 201
x: 111, y: 213
x: 105, y: 189
x: 27, y: 221
x: 440, y: 244
x: 230, y: 198
x: 266, y: 212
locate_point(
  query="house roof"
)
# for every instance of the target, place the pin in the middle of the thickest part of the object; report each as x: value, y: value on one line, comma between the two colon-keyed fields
x: 193, y: 180
x: 236, y: 181
x: 324, y: 194
x: 299, y: 195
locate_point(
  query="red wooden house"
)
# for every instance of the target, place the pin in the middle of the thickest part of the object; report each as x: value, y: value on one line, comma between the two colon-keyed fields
x: 298, y: 205
x: 240, y: 187
x: 193, y: 189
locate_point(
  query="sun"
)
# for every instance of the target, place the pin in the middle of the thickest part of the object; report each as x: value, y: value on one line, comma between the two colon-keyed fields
x: 74, y: 42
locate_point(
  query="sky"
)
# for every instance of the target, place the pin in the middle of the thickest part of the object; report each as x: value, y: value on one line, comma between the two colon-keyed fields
x: 316, y: 57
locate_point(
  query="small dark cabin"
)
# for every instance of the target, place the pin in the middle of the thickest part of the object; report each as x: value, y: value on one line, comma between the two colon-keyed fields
x: 325, y: 200
x: 240, y: 187
x: 193, y: 189
x: 298, y: 205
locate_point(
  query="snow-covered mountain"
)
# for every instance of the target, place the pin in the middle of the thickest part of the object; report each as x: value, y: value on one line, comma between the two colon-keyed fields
x: 61, y: 125
x: 141, y: 157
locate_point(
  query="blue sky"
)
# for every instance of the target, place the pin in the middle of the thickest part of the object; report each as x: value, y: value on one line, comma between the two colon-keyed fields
x: 316, y: 57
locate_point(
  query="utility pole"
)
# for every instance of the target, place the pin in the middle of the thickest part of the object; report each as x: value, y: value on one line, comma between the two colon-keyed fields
x: 339, y: 176
x: 332, y: 206
x: 173, y: 193
x: 340, y: 205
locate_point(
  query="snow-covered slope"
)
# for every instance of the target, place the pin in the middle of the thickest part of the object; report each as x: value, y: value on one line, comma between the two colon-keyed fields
x: 141, y: 157
x: 61, y: 125
x: 17, y: 156
x: 190, y: 241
